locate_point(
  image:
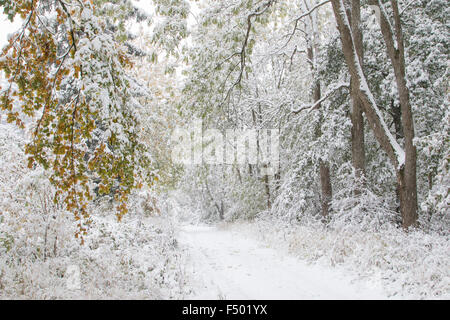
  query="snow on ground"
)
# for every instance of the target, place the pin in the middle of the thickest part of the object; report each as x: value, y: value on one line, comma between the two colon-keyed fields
x: 227, y: 265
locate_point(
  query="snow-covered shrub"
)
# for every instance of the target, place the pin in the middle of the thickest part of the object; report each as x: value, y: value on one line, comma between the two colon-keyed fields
x: 135, y: 258
x: 436, y: 205
x: 355, y: 207
x: 246, y: 199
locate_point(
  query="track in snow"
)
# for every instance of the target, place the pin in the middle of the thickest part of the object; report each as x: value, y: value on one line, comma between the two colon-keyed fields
x: 226, y: 265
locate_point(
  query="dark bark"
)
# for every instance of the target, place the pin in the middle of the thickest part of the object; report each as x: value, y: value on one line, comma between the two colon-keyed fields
x: 358, y: 152
x: 397, y: 121
x: 407, y: 176
x: 396, y: 113
x: 325, y: 183
x: 324, y: 169
x: 367, y: 101
x: 406, y: 172
x: 267, y: 186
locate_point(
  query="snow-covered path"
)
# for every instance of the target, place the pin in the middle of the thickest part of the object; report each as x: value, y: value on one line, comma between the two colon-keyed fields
x: 226, y: 265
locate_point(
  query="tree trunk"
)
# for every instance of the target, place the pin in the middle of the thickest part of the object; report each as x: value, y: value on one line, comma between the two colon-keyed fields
x: 403, y: 161
x: 324, y: 169
x: 406, y: 176
x: 267, y: 186
x: 257, y: 121
x: 409, y: 212
x: 397, y: 120
x: 358, y: 153
x: 327, y: 194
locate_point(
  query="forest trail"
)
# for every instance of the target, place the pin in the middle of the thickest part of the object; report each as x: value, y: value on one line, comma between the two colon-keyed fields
x: 226, y: 265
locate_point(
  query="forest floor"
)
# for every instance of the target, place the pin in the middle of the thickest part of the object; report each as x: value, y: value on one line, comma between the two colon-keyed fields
x: 228, y: 265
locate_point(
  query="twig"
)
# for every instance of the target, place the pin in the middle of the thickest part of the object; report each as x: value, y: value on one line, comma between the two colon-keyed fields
x: 315, y: 105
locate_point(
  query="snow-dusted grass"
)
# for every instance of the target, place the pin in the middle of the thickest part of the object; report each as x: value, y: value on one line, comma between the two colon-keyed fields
x: 137, y: 258
x: 408, y: 265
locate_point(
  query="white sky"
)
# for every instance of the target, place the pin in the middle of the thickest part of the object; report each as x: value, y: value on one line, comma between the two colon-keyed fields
x: 7, y: 27
x: 145, y: 5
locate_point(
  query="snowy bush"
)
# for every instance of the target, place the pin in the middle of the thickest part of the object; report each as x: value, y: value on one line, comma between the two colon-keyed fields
x: 355, y: 207
x: 136, y: 258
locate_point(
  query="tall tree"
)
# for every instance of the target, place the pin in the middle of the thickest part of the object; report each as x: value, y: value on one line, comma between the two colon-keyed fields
x: 358, y: 152
x: 68, y: 84
x: 405, y: 164
x: 313, y: 52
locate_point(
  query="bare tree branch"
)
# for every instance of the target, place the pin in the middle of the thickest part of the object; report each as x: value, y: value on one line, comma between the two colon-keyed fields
x: 313, y: 106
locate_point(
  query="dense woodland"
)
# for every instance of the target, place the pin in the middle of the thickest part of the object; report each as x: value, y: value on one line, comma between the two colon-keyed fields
x: 92, y: 90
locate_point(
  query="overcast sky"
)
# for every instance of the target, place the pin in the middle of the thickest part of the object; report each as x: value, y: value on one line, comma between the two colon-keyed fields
x: 6, y: 27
